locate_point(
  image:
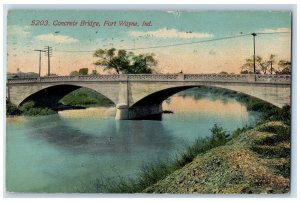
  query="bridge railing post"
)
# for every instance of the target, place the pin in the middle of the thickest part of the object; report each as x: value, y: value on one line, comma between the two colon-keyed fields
x: 180, y: 77
x: 251, y: 77
x: 123, y: 77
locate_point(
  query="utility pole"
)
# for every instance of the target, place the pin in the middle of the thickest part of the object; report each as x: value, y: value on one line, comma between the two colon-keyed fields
x: 254, y: 71
x: 271, y: 67
x: 40, y: 61
x: 48, y: 53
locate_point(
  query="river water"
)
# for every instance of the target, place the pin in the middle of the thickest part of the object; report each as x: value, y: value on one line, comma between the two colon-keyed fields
x: 59, y: 153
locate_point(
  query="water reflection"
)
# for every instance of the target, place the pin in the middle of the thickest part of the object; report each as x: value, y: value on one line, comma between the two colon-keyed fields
x: 112, y: 137
x: 215, y: 106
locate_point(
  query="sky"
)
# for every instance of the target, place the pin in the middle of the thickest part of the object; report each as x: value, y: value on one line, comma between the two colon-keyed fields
x: 197, y: 31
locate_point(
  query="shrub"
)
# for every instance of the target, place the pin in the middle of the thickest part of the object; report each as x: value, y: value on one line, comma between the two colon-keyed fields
x: 29, y: 109
x: 12, y: 109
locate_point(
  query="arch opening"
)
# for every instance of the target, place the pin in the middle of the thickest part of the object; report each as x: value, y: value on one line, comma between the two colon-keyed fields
x: 53, y: 97
x: 153, y: 101
x: 159, y: 96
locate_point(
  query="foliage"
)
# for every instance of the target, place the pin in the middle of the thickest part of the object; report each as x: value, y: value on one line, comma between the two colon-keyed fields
x: 83, y: 71
x: 125, y: 62
x: 84, y: 97
x: 74, y: 73
x: 219, y: 136
x: 264, y: 66
x: 284, y: 67
x: 29, y: 109
x: 11, y: 109
x: 94, y: 72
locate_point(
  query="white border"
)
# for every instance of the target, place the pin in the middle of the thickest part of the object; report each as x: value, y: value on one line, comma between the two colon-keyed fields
x: 206, y: 4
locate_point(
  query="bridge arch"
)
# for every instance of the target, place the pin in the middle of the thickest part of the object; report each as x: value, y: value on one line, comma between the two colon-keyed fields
x: 158, y: 97
x: 155, y: 94
x: 149, y: 106
x: 52, y: 94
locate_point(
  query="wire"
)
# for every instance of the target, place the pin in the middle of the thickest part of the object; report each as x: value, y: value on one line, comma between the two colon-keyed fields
x: 194, y: 42
x: 182, y: 44
x: 272, y: 32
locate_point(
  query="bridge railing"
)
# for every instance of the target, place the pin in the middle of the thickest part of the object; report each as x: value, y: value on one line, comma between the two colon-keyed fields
x: 273, y: 78
x: 219, y: 77
x: 286, y: 79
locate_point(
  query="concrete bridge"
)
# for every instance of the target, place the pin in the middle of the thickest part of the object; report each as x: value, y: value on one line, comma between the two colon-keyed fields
x: 137, y: 96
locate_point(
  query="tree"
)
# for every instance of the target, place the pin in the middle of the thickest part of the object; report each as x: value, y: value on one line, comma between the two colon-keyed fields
x: 74, y: 73
x: 94, y: 72
x: 261, y: 66
x: 272, y: 62
x: 83, y: 71
x: 284, y: 67
x: 247, y: 68
x: 125, y: 62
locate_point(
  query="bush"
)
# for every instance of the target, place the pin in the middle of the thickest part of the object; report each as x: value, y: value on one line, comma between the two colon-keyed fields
x: 29, y: 109
x: 12, y: 109
x: 85, y: 97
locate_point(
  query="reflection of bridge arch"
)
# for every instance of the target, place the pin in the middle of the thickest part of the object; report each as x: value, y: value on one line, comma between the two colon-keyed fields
x: 137, y: 96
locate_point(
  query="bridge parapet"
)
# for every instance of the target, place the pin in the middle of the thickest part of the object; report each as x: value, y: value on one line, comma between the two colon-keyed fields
x: 242, y: 78
x: 273, y: 78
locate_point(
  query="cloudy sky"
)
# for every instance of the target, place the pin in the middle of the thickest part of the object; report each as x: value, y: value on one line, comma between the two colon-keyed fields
x: 73, y: 46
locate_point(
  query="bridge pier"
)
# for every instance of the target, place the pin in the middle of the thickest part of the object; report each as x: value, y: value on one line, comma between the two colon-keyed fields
x: 121, y: 112
x: 153, y: 112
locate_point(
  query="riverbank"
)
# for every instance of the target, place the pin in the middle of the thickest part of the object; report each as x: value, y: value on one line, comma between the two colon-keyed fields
x: 256, y: 161
x: 247, y: 161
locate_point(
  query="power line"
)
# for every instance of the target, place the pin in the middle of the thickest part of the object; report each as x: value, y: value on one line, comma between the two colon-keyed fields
x: 272, y: 32
x: 181, y: 44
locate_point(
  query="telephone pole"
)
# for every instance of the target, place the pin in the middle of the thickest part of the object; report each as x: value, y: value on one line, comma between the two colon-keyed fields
x: 48, y: 53
x: 254, y: 71
x: 40, y: 61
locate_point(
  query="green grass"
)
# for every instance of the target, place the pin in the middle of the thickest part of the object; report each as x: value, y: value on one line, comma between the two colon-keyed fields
x: 86, y: 97
x: 12, y: 109
x: 29, y: 109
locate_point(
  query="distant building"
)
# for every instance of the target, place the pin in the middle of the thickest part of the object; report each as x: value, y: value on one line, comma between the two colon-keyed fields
x: 21, y: 75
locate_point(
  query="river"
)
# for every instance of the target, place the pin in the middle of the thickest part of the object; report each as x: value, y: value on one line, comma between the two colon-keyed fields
x: 60, y: 153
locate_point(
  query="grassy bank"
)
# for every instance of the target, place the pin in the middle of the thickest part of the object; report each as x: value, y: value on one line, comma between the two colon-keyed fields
x: 256, y: 161
x: 86, y: 97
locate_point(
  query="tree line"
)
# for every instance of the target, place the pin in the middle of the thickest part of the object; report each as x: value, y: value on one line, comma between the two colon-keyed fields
x: 124, y: 62
x: 266, y: 66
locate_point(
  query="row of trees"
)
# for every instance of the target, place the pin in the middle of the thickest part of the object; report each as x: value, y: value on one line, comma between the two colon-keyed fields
x: 266, y: 66
x: 123, y: 62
